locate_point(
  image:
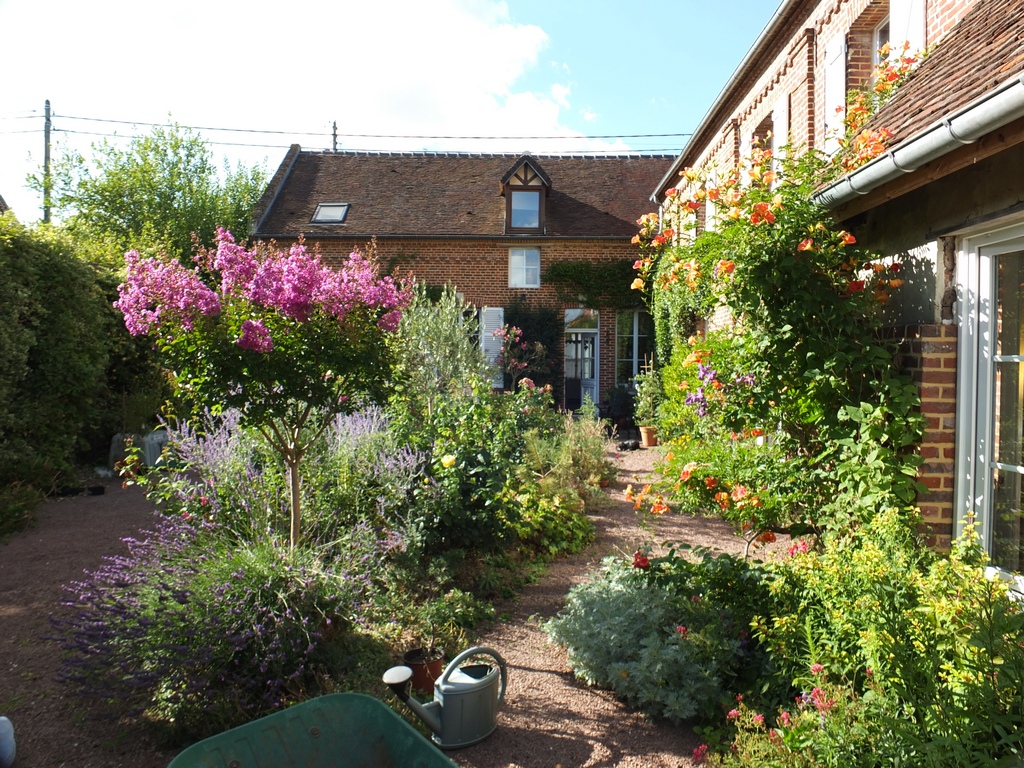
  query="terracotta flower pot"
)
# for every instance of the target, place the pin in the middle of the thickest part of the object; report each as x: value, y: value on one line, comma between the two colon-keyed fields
x: 648, y: 436
x: 426, y: 665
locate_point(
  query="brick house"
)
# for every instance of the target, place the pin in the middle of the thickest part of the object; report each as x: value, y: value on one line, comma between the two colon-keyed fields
x: 495, y: 226
x: 946, y: 198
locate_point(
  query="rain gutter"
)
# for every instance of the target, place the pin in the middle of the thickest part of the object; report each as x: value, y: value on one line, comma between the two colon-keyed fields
x: 993, y: 110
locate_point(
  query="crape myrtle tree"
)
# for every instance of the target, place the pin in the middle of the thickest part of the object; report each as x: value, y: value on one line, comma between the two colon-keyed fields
x: 276, y: 334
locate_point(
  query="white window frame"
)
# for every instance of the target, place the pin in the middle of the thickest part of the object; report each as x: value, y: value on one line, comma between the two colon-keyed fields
x: 877, y: 42
x: 907, y: 22
x: 976, y: 263
x: 519, y: 274
x: 634, y: 336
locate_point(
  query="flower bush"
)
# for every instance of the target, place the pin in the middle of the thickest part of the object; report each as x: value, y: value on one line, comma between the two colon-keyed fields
x: 859, y: 144
x: 803, y: 364
x: 200, y: 636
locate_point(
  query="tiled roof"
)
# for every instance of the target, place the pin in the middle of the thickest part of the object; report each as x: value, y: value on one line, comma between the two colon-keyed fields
x: 454, y: 194
x: 984, y: 50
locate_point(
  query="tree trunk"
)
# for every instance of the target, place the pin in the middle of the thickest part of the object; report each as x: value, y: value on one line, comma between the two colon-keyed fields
x: 296, y: 499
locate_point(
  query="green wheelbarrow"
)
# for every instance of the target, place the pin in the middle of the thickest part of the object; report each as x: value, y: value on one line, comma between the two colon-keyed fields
x: 340, y: 730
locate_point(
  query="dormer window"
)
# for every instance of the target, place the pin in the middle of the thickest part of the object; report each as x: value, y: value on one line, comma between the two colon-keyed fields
x: 524, y: 210
x: 330, y: 213
x: 525, y: 188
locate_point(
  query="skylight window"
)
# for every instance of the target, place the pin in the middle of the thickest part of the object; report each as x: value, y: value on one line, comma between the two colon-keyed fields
x: 330, y: 213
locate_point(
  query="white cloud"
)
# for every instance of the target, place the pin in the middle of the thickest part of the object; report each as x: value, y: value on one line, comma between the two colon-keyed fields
x: 560, y: 93
x: 447, y: 67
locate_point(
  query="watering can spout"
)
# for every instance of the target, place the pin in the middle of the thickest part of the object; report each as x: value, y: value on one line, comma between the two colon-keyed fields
x: 397, y: 679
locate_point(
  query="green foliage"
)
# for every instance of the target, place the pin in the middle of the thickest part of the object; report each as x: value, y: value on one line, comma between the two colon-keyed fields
x: 55, y: 326
x: 156, y: 194
x: 804, y: 362
x: 593, y: 284
x: 667, y: 634
x: 648, y: 398
x: 437, y: 353
x: 923, y: 653
x: 540, y: 325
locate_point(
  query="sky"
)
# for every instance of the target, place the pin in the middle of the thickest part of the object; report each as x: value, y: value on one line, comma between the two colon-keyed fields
x: 545, y: 76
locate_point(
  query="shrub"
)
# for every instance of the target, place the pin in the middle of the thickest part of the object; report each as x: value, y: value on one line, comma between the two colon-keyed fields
x: 54, y: 329
x: 667, y: 634
x: 198, y: 635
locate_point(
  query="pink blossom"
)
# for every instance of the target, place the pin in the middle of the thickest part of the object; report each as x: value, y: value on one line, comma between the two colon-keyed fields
x: 734, y: 714
x: 700, y: 754
x: 255, y: 337
x: 817, y: 669
x: 157, y: 293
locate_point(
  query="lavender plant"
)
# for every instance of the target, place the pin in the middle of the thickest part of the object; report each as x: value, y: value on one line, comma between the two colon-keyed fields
x: 198, y: 636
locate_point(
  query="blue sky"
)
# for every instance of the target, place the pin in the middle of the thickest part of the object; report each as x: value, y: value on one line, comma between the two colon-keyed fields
x: 408, y: 69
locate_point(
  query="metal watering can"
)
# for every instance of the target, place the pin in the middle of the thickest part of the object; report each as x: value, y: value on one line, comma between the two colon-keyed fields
x: 466, y: 698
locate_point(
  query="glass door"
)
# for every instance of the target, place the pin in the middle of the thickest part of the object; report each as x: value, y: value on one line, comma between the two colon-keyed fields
x: 1005, y: 412
x: 581, y: 357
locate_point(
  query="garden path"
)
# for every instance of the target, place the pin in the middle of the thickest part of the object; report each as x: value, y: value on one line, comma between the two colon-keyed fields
x: 548, y: 718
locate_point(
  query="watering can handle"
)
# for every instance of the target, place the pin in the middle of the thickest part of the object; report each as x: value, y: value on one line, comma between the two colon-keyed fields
x: 479, y: 650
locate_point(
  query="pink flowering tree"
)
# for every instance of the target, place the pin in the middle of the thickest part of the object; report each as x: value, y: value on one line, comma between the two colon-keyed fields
x: 276, y: 334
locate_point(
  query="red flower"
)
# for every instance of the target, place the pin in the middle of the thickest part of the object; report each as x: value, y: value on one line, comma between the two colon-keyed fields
x: 807, y: 244
x: 671, y: 192
x: 856, y: 286
x: 846, y: 238
x: 640, y: 561
x: 710, y: 482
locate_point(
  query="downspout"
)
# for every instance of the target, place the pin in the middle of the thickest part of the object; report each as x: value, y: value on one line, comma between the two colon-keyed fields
x: 993, y: 110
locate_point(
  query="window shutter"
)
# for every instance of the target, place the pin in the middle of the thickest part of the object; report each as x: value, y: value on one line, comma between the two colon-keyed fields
x: 491, y: 319
x: 835, y: 92
x: 780, y: 125
x: 907, y: 22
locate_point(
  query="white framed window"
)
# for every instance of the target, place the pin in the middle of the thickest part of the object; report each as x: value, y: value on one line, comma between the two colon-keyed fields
x: 907, y: 23
x: 634, y: 337
x: 879, y: 38
x: 524, y: 268
x: 524, y: 209
x: 990, y: 392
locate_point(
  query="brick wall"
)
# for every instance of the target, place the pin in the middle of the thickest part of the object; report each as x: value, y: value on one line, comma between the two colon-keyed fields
x: 796, y: 73
x: 929, y: 354
x: 478, y: 268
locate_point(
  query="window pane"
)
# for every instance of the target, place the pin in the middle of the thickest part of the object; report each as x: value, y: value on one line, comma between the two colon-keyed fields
x: 624, y: 323
x: 1006, y: 521
x: 524, y: 267
x: 525, y: 210
x: 1008, y: 413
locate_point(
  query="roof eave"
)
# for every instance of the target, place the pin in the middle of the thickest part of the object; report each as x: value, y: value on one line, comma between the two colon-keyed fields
x: 966, y: 125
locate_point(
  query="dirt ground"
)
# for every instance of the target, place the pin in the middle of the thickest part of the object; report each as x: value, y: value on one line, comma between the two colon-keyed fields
x: 548, y: 718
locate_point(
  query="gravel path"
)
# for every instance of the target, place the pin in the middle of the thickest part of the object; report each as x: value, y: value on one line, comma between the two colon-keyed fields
x: 548, y: 718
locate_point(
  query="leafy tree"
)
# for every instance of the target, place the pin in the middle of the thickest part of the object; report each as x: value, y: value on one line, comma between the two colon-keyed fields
x: 161, y: 191
x: 278, y: 335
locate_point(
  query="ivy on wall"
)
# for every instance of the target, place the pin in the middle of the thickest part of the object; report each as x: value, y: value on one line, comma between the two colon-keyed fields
x: 595, y: 284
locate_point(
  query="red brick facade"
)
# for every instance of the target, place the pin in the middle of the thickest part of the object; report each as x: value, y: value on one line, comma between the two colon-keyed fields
x: 930, y: 356
x: 479, y: 270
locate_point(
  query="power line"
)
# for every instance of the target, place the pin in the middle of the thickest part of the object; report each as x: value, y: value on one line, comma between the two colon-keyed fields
x: 384, y: 135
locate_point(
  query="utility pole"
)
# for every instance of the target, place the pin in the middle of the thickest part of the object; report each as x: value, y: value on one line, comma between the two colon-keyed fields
x: 46, y: 165
x: 334, y: 141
